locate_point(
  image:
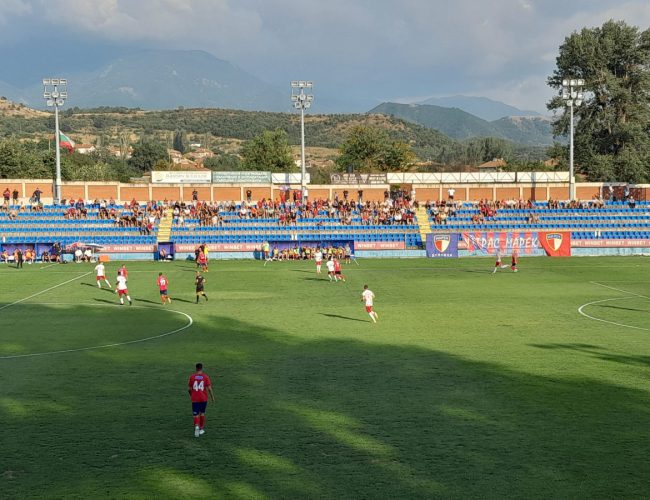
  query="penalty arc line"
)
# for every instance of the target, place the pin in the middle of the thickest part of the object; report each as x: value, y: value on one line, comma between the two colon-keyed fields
x: 44, y: 291
x: 105, y: 346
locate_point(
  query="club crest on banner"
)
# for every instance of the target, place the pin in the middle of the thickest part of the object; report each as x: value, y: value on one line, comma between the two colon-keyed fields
x: 441, y: 241
x: 554, y: 240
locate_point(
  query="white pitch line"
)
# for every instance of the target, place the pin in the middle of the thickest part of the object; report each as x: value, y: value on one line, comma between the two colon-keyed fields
x: 619, y: 290
x: 49, y: 265
x: 104, y: 346
x: 44, y: 291
x: 580, y: 309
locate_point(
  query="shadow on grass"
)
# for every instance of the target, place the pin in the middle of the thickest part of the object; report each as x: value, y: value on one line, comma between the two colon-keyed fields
x: 621, y: 308
x: 110, y: 290
x: 344, y: 317
x: 599, y: 353
x: 317, y: 418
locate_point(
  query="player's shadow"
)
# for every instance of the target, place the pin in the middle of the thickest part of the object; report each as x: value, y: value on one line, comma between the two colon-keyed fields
x: 622, y: 308
x: 343, y: 317
x: 174, y: 299
x: 146, y: 300
x: 105, y: 301
x: 301, y: 271
x: 110, y: 290
x: 314, y: 279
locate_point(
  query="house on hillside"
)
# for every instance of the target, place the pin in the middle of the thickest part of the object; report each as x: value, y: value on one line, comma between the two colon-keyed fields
x: 494, y: 165
x: 175, y: 156
x: 85, y: 149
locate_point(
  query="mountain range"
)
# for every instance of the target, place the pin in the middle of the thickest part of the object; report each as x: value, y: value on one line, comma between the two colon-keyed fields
x: 484, y: 108
x: 459, y: 124
x: 163, y: 79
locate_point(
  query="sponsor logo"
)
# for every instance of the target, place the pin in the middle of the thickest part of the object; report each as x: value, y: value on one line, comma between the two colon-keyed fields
x: 441, y: 242
x: 554, y: 241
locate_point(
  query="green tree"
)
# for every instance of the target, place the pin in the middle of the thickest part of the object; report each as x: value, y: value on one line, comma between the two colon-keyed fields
x: 613, y: 123
x: 145, y: 155
x: 368, y: 149
x: 180, y: 141
x: 269, y: 151
x: 223, y: 162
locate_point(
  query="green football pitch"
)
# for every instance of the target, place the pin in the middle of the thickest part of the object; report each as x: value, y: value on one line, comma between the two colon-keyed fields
x: 526, y: 385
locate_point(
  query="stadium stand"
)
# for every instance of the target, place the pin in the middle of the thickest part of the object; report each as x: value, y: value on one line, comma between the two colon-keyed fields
x: 604, y: 220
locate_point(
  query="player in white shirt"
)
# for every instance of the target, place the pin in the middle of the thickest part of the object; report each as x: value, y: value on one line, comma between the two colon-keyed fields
x: 318, y: 257
x: 368, y: 297
x: 330, y: 270
x: 101, y: 275
x: 122, y: 290
x: 498, y: 264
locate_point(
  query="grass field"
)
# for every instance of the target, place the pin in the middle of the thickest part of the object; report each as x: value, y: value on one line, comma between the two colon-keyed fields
x: 471, y: 385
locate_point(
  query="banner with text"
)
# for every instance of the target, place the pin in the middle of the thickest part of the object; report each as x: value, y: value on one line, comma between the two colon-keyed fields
x: 479, y: 243
x: 441, y: 246
x: 380, y: 245
x: 243, y: 177
x: 614, y: 243
x: 181, y: 177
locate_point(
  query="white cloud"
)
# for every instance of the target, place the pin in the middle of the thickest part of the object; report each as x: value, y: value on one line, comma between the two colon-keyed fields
x: 13, y: 8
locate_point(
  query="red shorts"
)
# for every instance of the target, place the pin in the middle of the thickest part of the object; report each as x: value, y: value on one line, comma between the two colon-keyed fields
x: 319, y: 262
x: 369, y: 309
x: 497, y: 264
x: 123, y: 292
x: 99, y: 278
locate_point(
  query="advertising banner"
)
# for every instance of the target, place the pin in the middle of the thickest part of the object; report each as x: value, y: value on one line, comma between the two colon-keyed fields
x: 243, y: 177
x: 555, y: 244
x: 181, y: 177
x: 618, y: 243
x: 442, y: 245
x: 220, y: 247
x: 380, y: 245
x: 125, y: 248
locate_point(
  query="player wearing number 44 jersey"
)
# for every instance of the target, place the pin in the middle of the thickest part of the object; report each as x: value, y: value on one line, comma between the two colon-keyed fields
x: 199, y: 386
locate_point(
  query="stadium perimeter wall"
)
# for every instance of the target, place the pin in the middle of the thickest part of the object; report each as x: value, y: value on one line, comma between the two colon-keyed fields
x: 122, y: 192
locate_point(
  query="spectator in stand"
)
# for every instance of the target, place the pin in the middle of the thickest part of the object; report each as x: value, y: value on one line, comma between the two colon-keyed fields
x: 195, y: 196
x: 37, y: 195
x: 4, y: 257
x: 6, y: 195
x: 14, y: 195
x: 450, y: 193
x: 45, y: 256
x: 631, y: 202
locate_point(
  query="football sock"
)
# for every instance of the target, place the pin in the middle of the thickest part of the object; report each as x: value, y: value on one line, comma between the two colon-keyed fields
x: 201, y: 421
x: 196, y: 420
x: 197, y: 299
x: 99, y: 285
x: 206, y: 297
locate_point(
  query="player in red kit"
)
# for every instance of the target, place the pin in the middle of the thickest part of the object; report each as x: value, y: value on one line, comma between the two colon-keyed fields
x: 338, y: 274
x: 162, y: 286
x: 515, y: 258
x: 199, y: 387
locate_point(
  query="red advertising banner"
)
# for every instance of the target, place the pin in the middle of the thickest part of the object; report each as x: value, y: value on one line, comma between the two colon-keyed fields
x: 125, y: 248
x: 620, y: 243
x: 379, y: 245
x: 220, y: 247
x: 556, y: 244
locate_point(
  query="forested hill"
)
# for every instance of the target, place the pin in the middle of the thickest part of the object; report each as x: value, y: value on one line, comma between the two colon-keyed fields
x: 107, y: 125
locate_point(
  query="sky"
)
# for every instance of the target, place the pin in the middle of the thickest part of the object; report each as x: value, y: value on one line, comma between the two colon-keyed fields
x: 359, y: 51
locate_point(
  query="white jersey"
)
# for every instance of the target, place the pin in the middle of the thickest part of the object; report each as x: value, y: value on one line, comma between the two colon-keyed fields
x: 121, y: 282
x: 100, y: 270
x: 318, y: 256
x: 330, y: 266
x: 368, y: 297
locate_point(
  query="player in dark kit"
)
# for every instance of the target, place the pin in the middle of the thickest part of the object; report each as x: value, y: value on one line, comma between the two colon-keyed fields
x: 199, y: 281
x: 199, y: 386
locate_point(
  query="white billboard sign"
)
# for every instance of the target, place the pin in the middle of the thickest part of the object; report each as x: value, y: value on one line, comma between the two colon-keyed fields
x: 181, y: 177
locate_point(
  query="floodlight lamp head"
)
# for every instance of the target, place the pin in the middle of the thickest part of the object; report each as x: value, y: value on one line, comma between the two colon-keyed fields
x: 309, y: 85
x: 294, y: 83
x: 47, y: 81
x: 294, y: 97
x: 302, y: 83
x: 297, y: 105
x: 63, y: 81
x: 565, y: 83
x: 578, y: 102
x: 310, y: 97
x: 50, y: 102
x: 573, y: 82
x: 581, y: 82
x: 47, y: 95
x: 307, y: 105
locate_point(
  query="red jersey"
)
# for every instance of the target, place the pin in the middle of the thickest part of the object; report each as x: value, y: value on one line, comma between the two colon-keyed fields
x: 337, y: 266
x: 123, y: 272
x: 162, y: 282
x: 198, y: 385
x: 202, y: 259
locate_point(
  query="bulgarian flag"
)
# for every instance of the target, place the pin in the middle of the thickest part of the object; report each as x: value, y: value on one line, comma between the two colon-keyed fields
x: 65, y: 142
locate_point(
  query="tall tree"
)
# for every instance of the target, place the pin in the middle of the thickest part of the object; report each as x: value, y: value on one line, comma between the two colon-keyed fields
x: 613, y: 123
x: 146, y: 154
x: 368, y: 149
x: 180, y: 141
x: 269, y: 151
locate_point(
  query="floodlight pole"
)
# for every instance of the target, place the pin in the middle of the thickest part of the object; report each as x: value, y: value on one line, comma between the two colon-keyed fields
x: 56, y: 97
x: 302, y: 101
x: 572, y: 96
